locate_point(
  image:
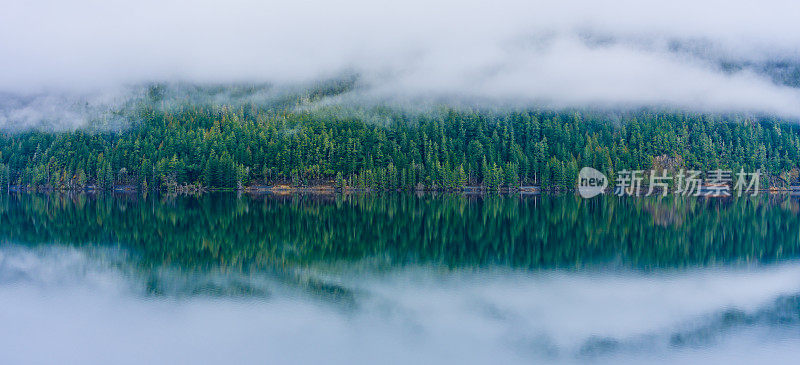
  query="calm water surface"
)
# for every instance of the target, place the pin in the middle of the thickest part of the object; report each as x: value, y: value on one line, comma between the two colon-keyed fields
x: 397, y: 279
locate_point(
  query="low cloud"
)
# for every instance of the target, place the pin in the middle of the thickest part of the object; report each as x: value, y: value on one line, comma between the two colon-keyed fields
x: 715, y: 56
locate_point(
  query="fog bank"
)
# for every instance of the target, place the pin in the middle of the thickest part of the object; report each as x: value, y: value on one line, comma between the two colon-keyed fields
x: 59, y: 304
x: 710, y: 56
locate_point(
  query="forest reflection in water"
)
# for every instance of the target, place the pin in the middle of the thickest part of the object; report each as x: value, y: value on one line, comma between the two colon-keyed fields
x: 277, y: 232
x: 433, y: 278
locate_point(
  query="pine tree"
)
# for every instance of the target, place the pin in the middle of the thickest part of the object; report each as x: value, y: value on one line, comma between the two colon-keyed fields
x: 340, y: 182
x: 462, y: 177
x: 4, y: 178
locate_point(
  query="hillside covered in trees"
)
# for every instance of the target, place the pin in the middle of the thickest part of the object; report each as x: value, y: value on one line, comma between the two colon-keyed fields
x: 232, y: 147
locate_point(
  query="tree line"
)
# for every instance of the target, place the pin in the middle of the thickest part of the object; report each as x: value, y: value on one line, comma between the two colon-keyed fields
x: 224, y: 147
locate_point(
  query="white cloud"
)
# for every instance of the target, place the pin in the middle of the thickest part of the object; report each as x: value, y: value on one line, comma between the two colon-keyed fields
x: 573, y: 53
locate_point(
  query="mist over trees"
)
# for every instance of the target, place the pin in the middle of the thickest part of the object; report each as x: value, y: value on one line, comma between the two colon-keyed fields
x: 230, y: 147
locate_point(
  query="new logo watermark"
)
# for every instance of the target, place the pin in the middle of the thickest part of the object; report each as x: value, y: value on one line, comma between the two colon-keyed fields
x: 715, y: 183
x: 591, y: 182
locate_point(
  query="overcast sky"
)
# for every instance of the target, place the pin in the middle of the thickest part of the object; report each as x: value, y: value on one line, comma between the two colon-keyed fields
x: 564, y: 53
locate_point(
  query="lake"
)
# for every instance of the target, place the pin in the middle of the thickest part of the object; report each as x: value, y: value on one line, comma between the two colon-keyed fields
x: 398, y: 278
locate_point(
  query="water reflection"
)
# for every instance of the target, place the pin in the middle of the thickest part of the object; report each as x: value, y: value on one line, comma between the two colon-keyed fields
x: 295, y: 232
x: 397, y: 279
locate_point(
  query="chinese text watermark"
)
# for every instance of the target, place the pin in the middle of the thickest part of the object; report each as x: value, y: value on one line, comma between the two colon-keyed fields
x: 713, y: 183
